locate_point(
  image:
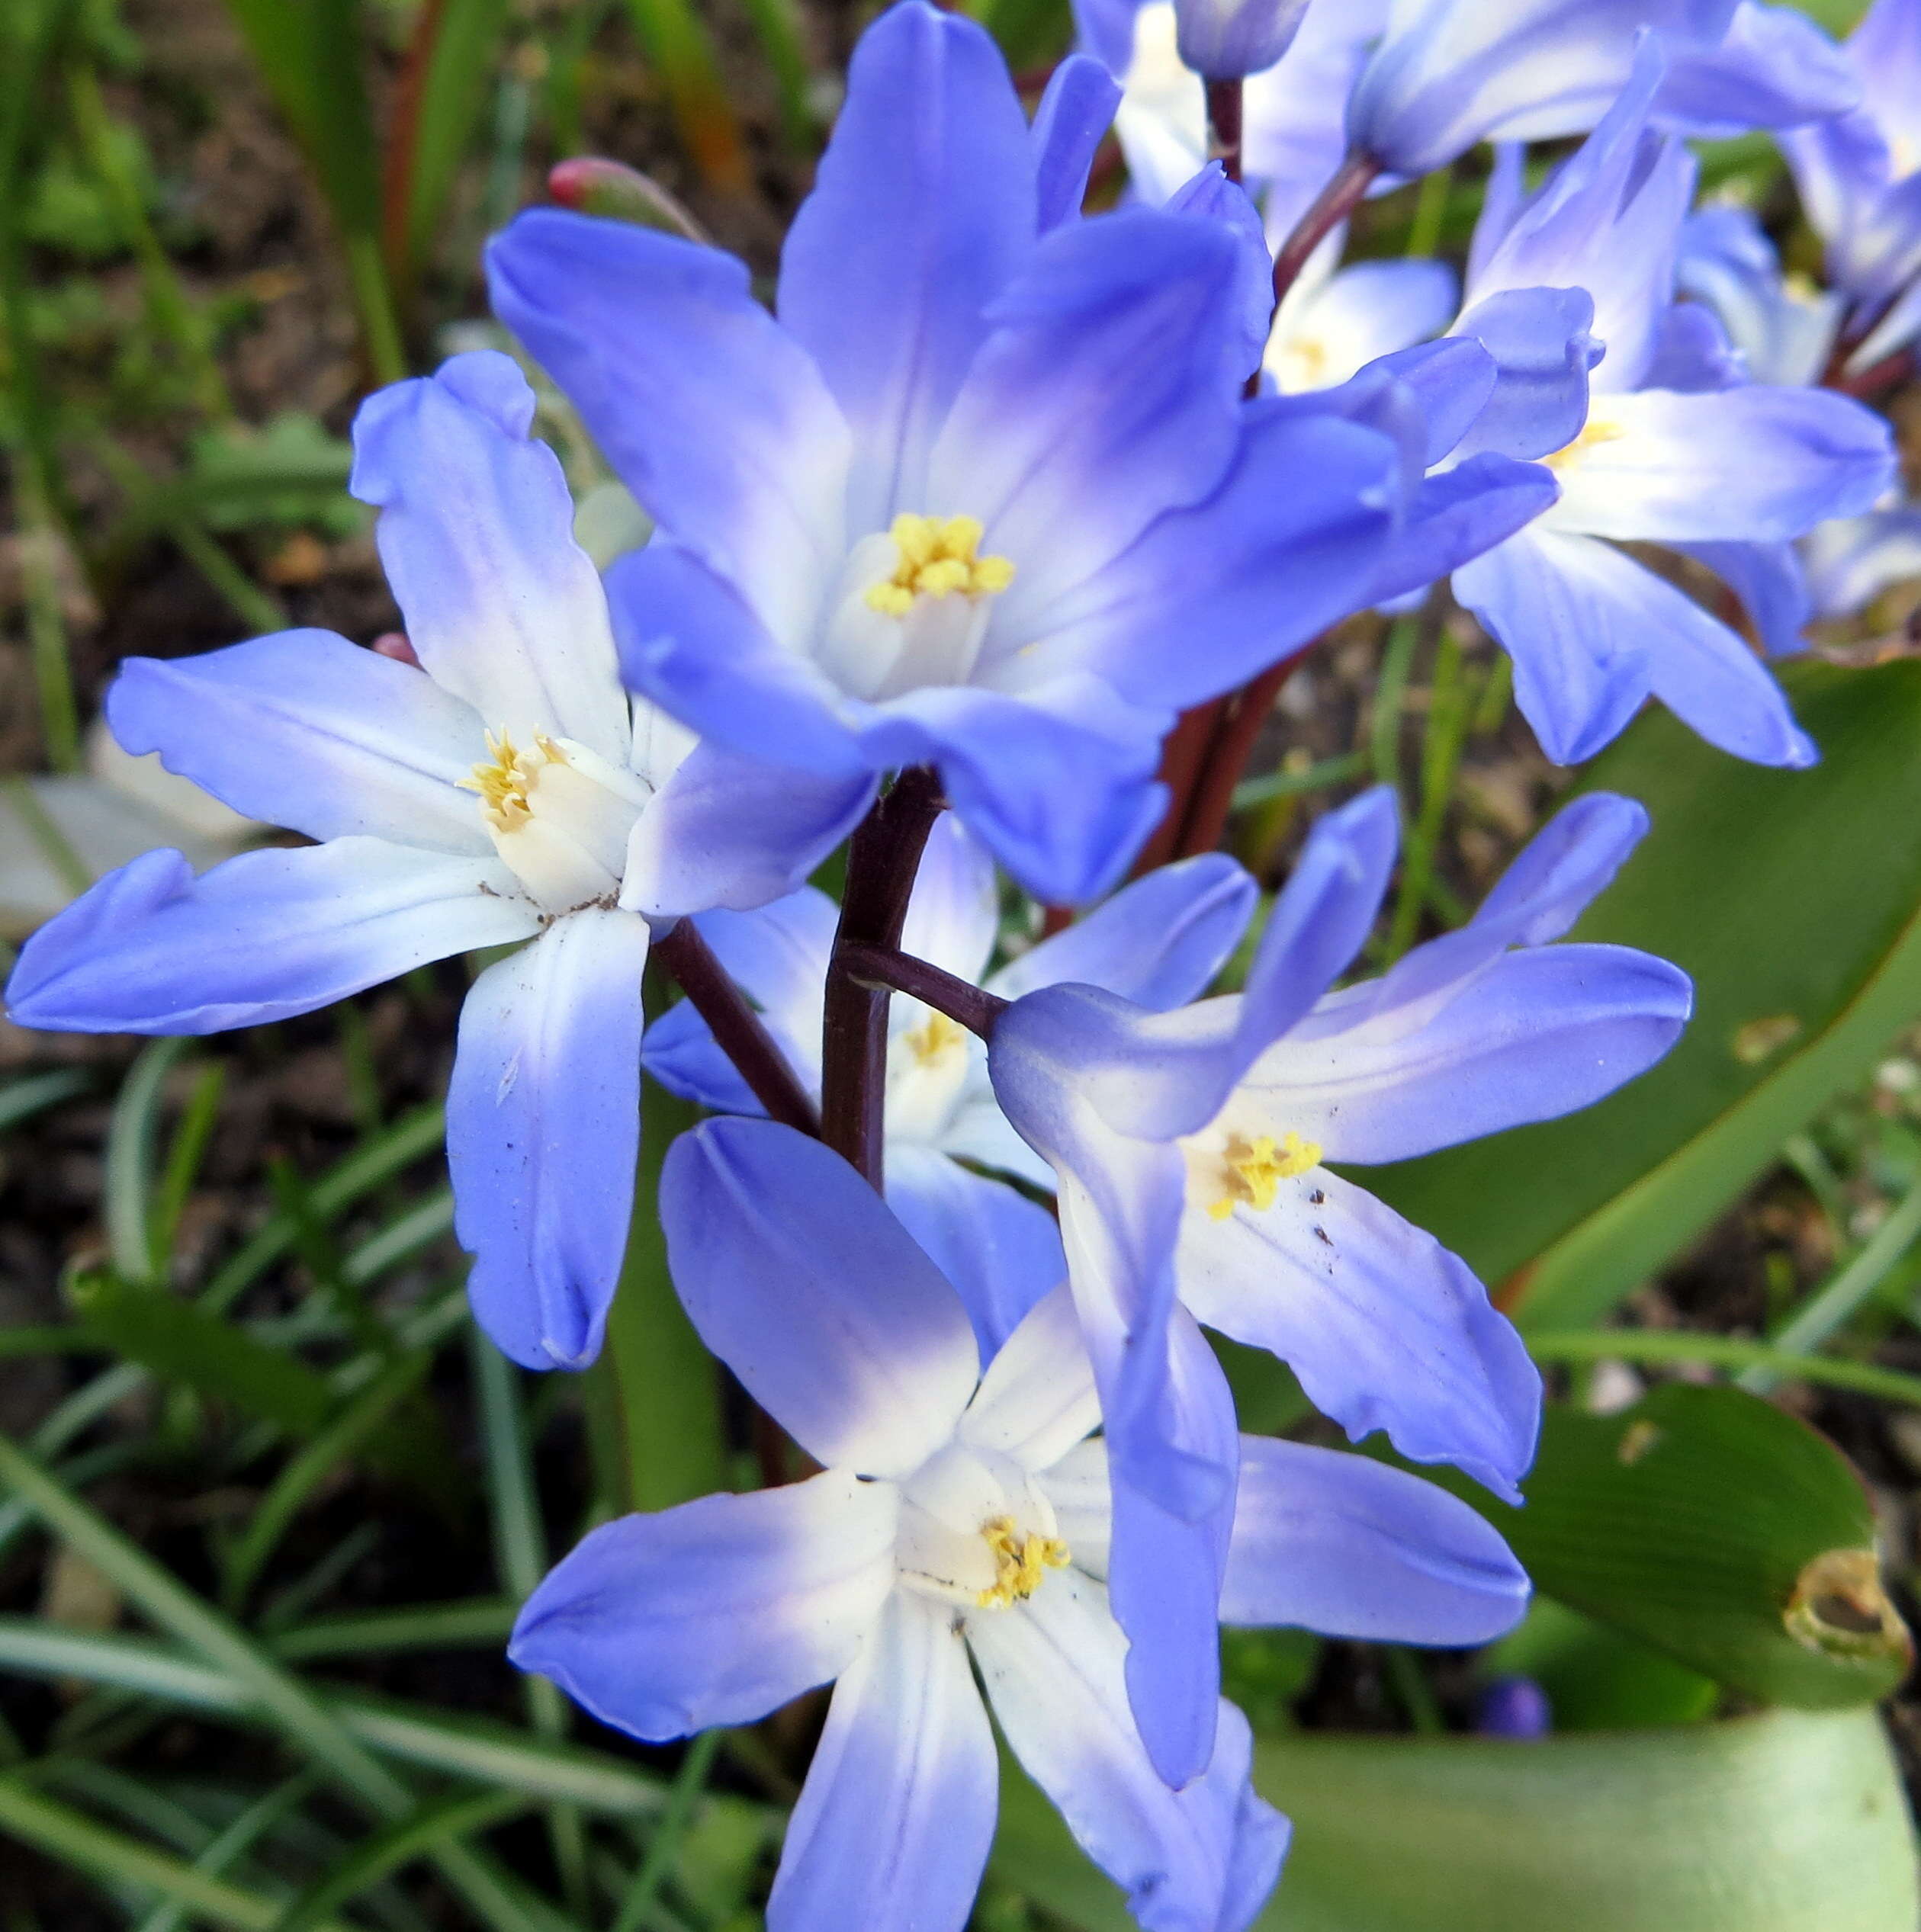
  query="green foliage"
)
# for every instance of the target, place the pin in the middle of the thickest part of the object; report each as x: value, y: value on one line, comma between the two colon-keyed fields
x: 1806, y: 956
x: 1596, y: 1678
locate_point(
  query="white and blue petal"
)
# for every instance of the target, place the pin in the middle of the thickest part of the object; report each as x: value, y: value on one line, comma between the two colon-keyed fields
x: 1158, y: 942
x: 1203, y: 1860
x: 801, y: 1281
x: 1384, y: 1327
x: 152, y: 949
x: 717, y: 1612
x: 476, y: 530
x: 925, y: 208
x: 894, y: 1822
x: 1349, y: 1547
x: 714, y: 417
x: 1037, y: 1402
x: 543, y: 1129
x: 304, y: 730
x: 1775, y: 68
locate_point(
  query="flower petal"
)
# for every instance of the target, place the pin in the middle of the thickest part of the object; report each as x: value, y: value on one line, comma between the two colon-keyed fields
x: 1074, y: 115
x: 1037, y: 1401
x: 954, y: 914
x: 895, y: 1820
x: 1158, y: 942
x: 152, y: 949
x: 1580, y: 659
x: 726, y: 830
x: 1203, y: 1860
x: 1734, y: 465
x: 1001, y: 1251
x: 714, y: 416
x: 1165, y: 1573
x: 801, y: 1281
x: 304, y: 730
x: 923, y: 209
x: 1384, y: 1327
x: 717, y: 1612
x: 502, y: 606
x: 1347, y: 1546
x: 543, y: 1129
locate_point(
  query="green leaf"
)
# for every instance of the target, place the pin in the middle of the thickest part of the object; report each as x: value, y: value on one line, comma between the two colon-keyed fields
x: 1790, y: 1822
x: 1719, y: 1529
x: 1803, y: 939
x: 460, y: 71
x: 1595, y: 1678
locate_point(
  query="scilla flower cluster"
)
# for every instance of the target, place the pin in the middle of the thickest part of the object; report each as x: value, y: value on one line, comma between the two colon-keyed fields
x: 961, y: 549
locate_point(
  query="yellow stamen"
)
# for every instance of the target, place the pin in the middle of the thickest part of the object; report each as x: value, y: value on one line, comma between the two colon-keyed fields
x: 504, y: 781
x: 1253, y: 1171
x: 1596, y: 431
x: 935, y: 1040
x: 1020, y: 1562
x: 937, y: 557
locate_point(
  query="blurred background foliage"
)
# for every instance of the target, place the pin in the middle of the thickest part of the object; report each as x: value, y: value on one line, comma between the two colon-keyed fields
x: 268, y: 1504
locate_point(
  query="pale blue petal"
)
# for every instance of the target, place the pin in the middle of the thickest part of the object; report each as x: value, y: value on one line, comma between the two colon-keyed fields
x: 304, y: 730
x: 1772, y: 582
x: 717, y: 1612
x: 1460, y: 514
x: 735, y: 832
x: 1775, y: 69
x: 1074, y: 113
x: 1345, y: 1546
x: 1158, y: 942
x: 152, y: 949
x: 923, y: 209
x: 543, y: 1128
x: 1850, y: 563
x: 801, y: 1281
x: 1001, y: 1251
x: 1542, y: 342
x: 1164, y: 1573
x: 1383, y: 1327
x: 714, y: 416
x: 1037, y: 1402
x: 954, y: 911
x: 1203, y: 1860
x: 502, y: 606
x: 893, y: 1826
x: 1580, y: 658
x: 1533, y: 1035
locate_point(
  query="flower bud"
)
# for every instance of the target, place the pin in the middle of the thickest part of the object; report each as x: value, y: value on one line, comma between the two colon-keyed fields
x: 1227, y: 40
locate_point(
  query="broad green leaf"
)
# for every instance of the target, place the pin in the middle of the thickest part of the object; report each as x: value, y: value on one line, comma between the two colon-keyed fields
x: 1719, y: 1529
x: 1789, y: 1822
x: 1802, y: 931
x: 1595, y: 1677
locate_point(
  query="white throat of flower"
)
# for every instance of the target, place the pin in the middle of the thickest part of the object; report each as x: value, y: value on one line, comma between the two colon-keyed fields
x: 559, y: 815
x: 912, y: 608
x: 929, y: 1058
x: 976, y: 1531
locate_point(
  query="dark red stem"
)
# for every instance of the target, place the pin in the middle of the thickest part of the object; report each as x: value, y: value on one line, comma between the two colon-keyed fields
x: 1224, y: 126
x: 971, y: 1007
x: 1334, y: 203
x: 881, y: 862
x: 739, y: 1030
x: 1235, y: 733
x: 1878, y: 378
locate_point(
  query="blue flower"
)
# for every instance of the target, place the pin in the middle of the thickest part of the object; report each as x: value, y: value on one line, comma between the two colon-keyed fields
x: 959, y: 1512
x: 1190, y: 1148
x: 1675, y: 448
x: 986, y: 495
x: 502, y: 789
x: 1850, y: 562
x: 1783, y: 328
x: 1159, y: 942
x: 1860, y: 181
x: 1448, y: 73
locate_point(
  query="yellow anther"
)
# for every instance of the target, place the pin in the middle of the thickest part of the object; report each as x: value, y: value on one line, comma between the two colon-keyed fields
x: 504, y: 781
x: 937, y: 556
x: 1252, y: 1171
x: 936, y: 1039
x: 1020, y: 1562
x: 1597, y: 431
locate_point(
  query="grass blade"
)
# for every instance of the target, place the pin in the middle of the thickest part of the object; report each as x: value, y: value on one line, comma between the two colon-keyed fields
x: 678, y: 47
x: 130, y: 1137
x: 78, y: 1841
x: 484, y: 1621
x: 1728, y: 1352
x: 232, y: 1843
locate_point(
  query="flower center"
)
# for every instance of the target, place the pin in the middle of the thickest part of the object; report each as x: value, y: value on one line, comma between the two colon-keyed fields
x: 935, y: 1040
x: 1252, y: 1171
x: 936, y: 557
x: 560, y: 815
x: 1597, y: 430
x: 1020, y: 1562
